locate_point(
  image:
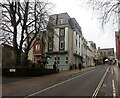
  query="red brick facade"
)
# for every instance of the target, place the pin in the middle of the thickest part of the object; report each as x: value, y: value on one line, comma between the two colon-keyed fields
x: 38, y: 49
x: 37, y: 52
x: 117, y: 38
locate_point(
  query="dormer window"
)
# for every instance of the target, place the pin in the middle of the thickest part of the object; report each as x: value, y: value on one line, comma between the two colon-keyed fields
x: 53, y: 22
x: 61, y: 21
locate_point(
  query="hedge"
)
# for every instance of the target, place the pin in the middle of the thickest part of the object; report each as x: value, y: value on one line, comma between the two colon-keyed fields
x: 27, y: 71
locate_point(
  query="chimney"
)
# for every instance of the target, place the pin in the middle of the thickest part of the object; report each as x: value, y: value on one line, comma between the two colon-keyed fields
x: 98, y: 48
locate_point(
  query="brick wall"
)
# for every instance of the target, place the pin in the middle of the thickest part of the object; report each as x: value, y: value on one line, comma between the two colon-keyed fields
x: 117, y: 37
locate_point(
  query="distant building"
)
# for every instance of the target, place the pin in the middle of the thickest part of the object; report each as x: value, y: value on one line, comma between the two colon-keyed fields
x: 91, y: 53
x: 64, y: 44
x: 7, y: 56
x: 30, y: 54
x: 117, y: 38
x: 39, y: 48
x: 106, y: 55
x: 37, y: 52
x: 0, y: 56
x: 84, y: 51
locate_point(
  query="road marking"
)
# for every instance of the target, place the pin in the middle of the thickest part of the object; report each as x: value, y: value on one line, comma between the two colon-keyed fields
x: 100, y: 84
x: 40, y: 91
x: 112, y: 70
x: 114, y: 91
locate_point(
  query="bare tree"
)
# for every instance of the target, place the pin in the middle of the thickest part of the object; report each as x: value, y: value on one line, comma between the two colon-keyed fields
x: 107, y: 9
x: 22, y: 22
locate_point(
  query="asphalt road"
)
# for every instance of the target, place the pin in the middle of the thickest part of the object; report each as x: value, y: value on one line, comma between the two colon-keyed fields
x: 102, y: 81
x: 84, y: 84
x: 6, y: 80
x: 110, y: 84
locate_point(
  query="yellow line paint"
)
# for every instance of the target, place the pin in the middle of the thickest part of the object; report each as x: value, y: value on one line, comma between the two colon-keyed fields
x: 100, y: 84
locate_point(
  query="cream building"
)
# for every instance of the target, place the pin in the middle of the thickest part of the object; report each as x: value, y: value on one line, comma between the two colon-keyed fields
x: 64, y: 44
x: 106, y: 55
x: 91, y: 53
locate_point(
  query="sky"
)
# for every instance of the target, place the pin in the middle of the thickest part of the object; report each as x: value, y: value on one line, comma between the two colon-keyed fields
x: 91, y: 27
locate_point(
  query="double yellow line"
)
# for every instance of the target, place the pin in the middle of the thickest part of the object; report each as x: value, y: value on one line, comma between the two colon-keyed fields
x: 100, y: 84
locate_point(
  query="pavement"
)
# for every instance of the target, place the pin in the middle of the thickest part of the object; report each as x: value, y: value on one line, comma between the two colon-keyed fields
x: 26, y: 86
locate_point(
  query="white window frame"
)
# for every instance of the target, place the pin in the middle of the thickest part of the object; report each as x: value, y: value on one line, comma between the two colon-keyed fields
x: 50, y: 48
x: 37, y: 47
x: 62, y: 32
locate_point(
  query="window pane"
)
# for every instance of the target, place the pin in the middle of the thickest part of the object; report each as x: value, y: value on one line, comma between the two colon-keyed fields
x: 54, y: 22
x: 55, y: 58
x: 50, y: 45
x: 61, y: 45
x: 76, y: 42
x: 66, y: 58
x: 66, y: 62
x: 62, y: 32
x: 51, y: 32
x: 58, y: 58
x: 61, y: 21
x: 37, y: 47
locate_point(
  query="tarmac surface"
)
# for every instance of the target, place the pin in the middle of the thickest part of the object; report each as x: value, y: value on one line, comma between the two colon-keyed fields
x: 14, y: 86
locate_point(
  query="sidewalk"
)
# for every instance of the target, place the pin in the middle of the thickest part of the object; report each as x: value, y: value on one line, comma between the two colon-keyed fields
x: 22, y: 88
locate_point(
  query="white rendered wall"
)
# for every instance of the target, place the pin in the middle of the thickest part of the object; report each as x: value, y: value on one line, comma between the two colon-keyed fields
x: 56, y: 40
x: 66, y: 38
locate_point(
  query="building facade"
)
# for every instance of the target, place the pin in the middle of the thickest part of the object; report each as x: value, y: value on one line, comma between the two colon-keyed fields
x: 0, y: 56
x: 117, y: 38
x: 106, y: 55
x: 64, y: 42
x: 38, y: 52
x: 91, y: 54
x: 7, y: 56
x: 84, y: 51
x: 39, y: 48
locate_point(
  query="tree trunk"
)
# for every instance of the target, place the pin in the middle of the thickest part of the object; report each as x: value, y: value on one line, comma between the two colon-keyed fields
x: 17, y: 58
x: 25, y: 59
x: 17, y: 52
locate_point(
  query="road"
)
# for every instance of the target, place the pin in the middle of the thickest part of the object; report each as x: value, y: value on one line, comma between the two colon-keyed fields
x: 80, y: 85
x: 100, y: 81
x: 110, y: 84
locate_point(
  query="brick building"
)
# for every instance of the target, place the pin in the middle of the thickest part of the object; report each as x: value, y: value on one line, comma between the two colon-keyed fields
x: 39, y: 48
x: 106, y: 55
x: 117, y: 38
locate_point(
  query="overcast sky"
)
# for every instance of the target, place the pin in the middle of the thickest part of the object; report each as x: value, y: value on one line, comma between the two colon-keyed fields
x: 91, y: 28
